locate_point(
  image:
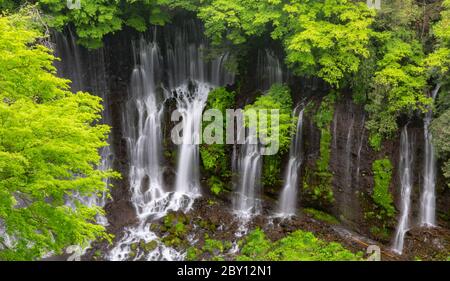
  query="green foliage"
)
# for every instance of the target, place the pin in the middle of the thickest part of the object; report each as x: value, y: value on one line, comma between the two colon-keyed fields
x: 402, y: 70
x: 214, y: 157
x: 255, y: 245
x: 97, y: 18
x: 48, y: 149
x: 297, y: 246
x: 441, y: 134
x: 382, y: 174
x: 278, y: 98
x: 327, y: 38
x: 321, y: 216
x: 216, y: 185
x: 439, y: 64
x: 215, y: 247
x: 397, y: 86
x: 192, y: 253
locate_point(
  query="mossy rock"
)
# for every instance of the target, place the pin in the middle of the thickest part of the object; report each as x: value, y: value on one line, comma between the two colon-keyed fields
x: 193, y: 253
x: 154, y: 227
x: 321, y: 216
x: 97, y: 254
x: 149, y: 246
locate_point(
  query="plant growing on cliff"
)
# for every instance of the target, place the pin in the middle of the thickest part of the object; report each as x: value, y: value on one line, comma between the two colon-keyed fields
x: 382, y: 175
x: 214, y: 156
x: 317, y: 182
x: 48, y: 150
x: 278, y: 97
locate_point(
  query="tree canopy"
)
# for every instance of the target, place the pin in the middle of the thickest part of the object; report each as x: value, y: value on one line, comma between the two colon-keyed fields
x: 48, y: 150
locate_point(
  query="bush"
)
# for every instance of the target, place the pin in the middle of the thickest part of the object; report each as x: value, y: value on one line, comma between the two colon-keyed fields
x: 382, y: 174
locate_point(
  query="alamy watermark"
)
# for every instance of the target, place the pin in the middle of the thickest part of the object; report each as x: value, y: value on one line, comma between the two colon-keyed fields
x: 256, y: 127
x: 375, y: 4
x: 74, y: 4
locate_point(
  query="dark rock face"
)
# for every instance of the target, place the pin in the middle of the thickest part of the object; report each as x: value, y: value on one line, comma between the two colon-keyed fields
x: 348, y: 161
x: 119, y: 58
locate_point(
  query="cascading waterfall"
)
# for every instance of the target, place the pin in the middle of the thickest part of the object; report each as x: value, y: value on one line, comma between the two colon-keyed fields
x: 247, y: 163
x: 71, y: 65
x: 182, y: 69
x: 247, y: 200
x: 288, y: 199
x: 142, y: 127
x: 428, y: 198
x: 192, y: 77
x: 406, y: 181
x: 269, y: 69
x: 191, y: 108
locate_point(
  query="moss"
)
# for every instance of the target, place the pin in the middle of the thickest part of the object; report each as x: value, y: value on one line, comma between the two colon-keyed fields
x: 322, y: 216
x: 180, y: 228
x: 382, y: 174
x: 97, y: 254
x: 297, y: 246
x: 317, y: 183
x: 214, y: 247
x: 174, y: 241
x: 149, y: 246
x: 192, y: 253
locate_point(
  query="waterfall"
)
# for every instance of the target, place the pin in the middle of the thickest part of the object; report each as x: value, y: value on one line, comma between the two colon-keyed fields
x: 142, y: 129
x: 87, y: 72
x: 191, y: 108
x: 192, y: 77
x: 71, y: 65
x: 288, y: 199
x: 406, y: 181
x: 247, y: 200
x: 269, y: 69
x: 428, y: 198
x: 360, y: 145
x: 348, y: 154
x: 178, y: 72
